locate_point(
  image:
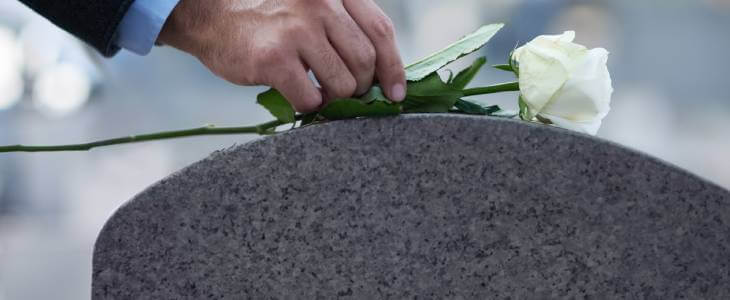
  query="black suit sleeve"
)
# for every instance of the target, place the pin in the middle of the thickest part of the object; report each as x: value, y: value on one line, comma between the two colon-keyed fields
x: 94, y: 21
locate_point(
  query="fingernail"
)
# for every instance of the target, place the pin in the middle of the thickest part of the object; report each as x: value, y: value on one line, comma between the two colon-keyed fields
x: 398, y: 92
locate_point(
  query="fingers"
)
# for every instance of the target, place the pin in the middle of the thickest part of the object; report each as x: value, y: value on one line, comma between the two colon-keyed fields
x: 295, y: 85
x: 354, y: 47
x: 330, y: 70
x: 379, y: 29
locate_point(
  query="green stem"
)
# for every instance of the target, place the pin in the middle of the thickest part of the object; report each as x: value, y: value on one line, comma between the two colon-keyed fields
x: 260, y: 129
x: 497, y: 88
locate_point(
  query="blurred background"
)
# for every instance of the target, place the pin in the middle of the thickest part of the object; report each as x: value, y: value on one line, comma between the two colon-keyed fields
x: 669, y: 64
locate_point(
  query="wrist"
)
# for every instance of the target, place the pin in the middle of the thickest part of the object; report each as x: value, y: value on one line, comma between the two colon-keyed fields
x: 185, y: 28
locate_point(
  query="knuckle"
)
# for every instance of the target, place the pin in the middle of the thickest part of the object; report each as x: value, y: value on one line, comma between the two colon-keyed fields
x: 363, y: 87
x: 366, y: 59
x: 394, y: 70
x: 398, y: 75
x: 382, y: 27
x: 391, y: 76
x: 329, y: 58
x: 344, y: 87
x: 349, y: 86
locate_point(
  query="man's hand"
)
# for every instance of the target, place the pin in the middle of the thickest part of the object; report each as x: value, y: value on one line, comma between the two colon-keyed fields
x: 346, y: 43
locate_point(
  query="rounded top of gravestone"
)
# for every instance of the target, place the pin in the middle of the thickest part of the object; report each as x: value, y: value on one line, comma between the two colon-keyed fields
x: 430, y: 206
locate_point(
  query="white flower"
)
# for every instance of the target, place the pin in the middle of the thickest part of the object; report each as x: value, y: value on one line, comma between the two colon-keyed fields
x: 564, y: 82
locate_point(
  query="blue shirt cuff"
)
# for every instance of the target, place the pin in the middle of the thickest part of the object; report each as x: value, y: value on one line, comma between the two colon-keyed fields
x: 142, y: 24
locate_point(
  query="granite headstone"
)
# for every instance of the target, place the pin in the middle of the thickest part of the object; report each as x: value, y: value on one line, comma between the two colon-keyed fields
x: 421, y: 206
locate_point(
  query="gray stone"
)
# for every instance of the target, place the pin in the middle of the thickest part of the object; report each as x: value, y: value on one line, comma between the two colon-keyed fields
x: 420, y: 207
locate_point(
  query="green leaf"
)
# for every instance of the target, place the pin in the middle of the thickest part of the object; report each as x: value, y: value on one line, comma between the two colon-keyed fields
x: 374, y: 94
x: 431, y: 85
x: 544, y: 120
x: 524, y: 110
x: 430, y: 95
x: 309, y: 118
x: 428, y: 104
x: 277, y: 105
x: 505, y: 67
x: 492, y: 109
x: 438, y: 60
x: 467, y: 75
x: 352, y: 108
x: 472, y: 108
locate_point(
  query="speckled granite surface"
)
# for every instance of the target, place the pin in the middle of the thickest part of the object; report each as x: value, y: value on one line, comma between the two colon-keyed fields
x: 420, y: 206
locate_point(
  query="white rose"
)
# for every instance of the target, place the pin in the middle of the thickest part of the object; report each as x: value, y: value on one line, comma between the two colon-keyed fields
x: 564, y: 82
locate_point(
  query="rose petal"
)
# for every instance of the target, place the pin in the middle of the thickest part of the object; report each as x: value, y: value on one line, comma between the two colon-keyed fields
x: 586, y: 95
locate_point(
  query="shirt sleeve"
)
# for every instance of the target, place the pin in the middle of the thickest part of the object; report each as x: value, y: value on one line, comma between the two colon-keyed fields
x: 142, y: 24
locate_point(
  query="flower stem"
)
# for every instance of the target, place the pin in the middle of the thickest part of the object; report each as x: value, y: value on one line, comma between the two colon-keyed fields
x: 260, y: 129
x: 497, y: 88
